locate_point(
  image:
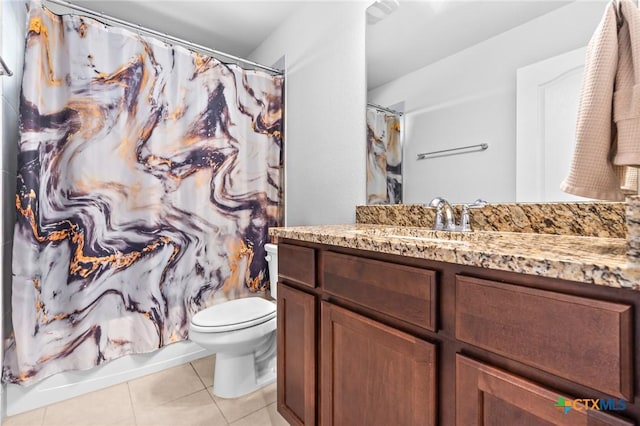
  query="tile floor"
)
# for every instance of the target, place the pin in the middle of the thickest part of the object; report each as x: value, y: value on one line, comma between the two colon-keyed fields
x: 179, y: 396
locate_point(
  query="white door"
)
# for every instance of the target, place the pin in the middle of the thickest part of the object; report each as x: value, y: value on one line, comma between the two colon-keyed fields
x: 548, y: 95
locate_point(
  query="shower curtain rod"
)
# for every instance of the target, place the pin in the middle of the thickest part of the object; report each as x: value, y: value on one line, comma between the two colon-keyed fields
x: 165, y: 36
x: 381, y: 108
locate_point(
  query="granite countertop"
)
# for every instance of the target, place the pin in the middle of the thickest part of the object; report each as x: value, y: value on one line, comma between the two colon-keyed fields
x: 593, y: 260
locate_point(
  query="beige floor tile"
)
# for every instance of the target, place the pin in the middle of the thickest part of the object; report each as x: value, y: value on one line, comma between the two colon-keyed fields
x: 174, y: 397
x: 204, y: 367
x: 164, y: 386
x: 131, y: 421
x: 103, y: 407
x: 192, y: 410
x: 236, y: 408
x: 267, y: 416
x: 28, y: 418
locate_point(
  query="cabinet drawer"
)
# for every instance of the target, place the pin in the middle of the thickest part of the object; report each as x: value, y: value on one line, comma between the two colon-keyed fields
x: 404, y: 292
x: 297, y: 264
x: 486, y: 395
x: 583, y: 340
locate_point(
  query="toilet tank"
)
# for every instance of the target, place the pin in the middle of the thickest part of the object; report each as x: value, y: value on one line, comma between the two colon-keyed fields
x: 272, y: 259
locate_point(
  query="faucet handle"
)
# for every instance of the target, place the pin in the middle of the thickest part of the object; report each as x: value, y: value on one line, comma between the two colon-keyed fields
x: 438, y: 224
x: 479, y: 203
x: 465, y: 220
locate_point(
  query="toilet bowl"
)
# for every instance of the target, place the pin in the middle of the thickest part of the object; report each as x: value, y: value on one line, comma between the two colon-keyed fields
x: 242, y: 333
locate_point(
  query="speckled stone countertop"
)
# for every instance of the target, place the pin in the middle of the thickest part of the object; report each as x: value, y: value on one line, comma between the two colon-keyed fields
x: 592, y: 260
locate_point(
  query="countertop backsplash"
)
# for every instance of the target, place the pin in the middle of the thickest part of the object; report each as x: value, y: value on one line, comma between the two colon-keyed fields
x: 589, y: 219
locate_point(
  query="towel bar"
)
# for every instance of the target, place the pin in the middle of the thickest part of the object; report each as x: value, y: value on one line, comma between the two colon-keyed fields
x: 432, y: 154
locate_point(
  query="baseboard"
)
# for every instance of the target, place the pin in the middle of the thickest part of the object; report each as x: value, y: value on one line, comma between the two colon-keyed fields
x: 73, y: 383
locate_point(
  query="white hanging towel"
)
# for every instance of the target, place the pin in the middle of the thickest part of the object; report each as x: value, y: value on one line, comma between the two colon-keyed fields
x: 608, y: 126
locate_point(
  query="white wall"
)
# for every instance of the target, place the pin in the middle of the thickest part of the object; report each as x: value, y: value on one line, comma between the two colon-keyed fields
x: 470, y: 98
x: 325, y: 89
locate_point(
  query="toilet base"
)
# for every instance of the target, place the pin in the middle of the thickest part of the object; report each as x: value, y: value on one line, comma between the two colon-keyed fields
x: 236, y: 376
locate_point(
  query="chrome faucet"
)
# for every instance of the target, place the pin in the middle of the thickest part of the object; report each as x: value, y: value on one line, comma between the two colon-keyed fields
x: 445, y: 218
x: 443, y: 207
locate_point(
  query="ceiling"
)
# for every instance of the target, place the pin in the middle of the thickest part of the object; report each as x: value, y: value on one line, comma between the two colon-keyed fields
x: 418, y: 33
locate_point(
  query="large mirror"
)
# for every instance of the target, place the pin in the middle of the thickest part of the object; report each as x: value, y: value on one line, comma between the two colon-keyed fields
x: 500, y: 77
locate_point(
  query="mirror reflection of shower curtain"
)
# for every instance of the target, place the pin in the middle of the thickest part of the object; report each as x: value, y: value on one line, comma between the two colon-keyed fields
x: 148, y: 176
x: 384, y: 157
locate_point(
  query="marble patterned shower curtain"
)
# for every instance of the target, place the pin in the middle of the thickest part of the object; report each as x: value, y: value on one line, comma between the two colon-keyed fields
x: 147, y: 178
x: 384, y: 157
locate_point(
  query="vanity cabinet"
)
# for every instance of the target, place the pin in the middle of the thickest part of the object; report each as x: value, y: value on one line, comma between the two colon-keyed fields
x: 366, y: 338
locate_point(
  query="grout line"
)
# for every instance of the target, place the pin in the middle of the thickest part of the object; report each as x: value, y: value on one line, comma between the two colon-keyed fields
x: 244, y: 417
x: 44, y: 416
x: 215, y: 404
x: 273, y: 419
x: 218, y: 407
x: 197, y: 374
x: 248, y: 414
x: 178, y: 397
x: 210, y: 393
x: 133, y: 408
x: 153, y: 406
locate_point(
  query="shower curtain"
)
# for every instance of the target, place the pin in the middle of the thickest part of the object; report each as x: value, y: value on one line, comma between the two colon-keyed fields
x: 147, y: 178
x: 384, y: 157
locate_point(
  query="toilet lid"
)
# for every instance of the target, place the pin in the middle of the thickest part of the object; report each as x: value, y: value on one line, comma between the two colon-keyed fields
x: 235, y: 314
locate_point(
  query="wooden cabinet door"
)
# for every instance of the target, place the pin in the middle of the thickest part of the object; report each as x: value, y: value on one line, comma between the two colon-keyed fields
x: 296, y: 356
x: 489, y: 396
x: 372, y: 374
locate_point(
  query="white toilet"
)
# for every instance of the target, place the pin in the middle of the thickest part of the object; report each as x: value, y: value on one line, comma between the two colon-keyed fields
x: 242, y: 333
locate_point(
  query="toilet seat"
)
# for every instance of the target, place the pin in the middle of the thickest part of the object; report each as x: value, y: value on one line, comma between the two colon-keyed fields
x: 234, y: 315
